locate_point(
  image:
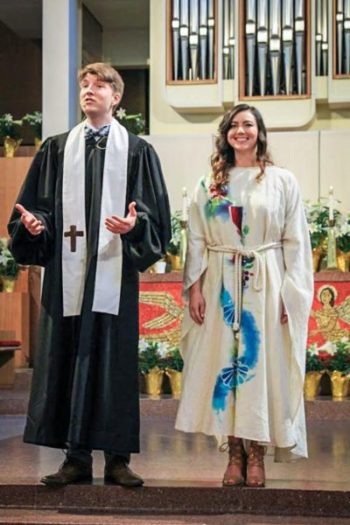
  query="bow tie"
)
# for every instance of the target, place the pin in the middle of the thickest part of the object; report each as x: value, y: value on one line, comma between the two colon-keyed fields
x: 96, y: 134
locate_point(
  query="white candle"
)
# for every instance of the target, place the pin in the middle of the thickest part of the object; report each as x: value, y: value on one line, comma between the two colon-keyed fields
x: 184, y: 215
x: 331, y: 203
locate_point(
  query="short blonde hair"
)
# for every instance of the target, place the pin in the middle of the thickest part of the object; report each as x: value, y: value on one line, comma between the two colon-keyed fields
x: 105, y: 72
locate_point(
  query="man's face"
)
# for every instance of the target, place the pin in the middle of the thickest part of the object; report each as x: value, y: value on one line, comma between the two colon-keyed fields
x: 97, y: 98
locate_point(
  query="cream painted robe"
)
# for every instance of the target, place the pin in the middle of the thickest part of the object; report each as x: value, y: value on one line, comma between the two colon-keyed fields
x: 252, y: 388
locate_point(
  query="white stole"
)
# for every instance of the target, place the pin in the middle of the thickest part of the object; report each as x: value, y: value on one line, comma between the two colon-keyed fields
x: 110, y: 250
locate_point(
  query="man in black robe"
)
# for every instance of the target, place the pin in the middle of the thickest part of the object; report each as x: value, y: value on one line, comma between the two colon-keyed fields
x: 85, y: 392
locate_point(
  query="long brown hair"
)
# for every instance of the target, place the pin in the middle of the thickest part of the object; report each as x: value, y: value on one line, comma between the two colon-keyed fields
x: 223, y: 159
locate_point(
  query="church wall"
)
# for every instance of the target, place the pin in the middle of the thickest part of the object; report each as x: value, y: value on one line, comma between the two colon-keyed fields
x: 184, y: 160
x: 298, y: 151
x: 126, y: 48
x: 317, y: 159
x: 335, y: 165
x: 92, y: 38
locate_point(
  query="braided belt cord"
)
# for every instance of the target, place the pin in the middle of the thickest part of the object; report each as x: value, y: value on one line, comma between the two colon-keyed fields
x: 238, y: 254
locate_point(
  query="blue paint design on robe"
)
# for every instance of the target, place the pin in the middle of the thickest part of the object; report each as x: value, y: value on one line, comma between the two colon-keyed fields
x: 218, y: 206
x: 240, y: 370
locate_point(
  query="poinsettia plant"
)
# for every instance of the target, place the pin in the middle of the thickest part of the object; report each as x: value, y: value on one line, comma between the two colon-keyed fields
x: 174, y: 244
x: 314, y: 361
x: 151, y: 355
x: 8, y: 266
x: 9, y: 127
x: 330, y: 357
x: 340, y: 359
x: 133, y: 123
x: 34, y: 120
x: 342, y: 232
x: 317, y: 215
x: 173, y: 360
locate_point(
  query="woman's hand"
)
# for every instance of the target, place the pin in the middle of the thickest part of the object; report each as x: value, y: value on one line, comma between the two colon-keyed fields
x: 29, y: 221
x: 121, y: 225
x: 197, y: 303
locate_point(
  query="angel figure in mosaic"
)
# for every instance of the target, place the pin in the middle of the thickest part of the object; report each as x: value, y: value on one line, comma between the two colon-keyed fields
x: 328, y: 316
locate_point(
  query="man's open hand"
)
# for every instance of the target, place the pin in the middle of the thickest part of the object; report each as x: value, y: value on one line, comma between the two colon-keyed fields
x: 30, y: 222
x: 121, y: 225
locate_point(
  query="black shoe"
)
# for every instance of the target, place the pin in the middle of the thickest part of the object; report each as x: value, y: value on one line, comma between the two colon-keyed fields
x: 71, y: 471
x: 118, y: 473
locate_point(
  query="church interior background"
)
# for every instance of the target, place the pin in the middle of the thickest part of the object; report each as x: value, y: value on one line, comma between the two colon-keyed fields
x: 185, y: 62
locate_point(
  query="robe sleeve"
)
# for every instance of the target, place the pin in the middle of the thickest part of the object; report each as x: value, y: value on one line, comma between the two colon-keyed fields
x: 297, y: 286
x: 197, y: 256
x: 147, y: 242
x: 36, y: 196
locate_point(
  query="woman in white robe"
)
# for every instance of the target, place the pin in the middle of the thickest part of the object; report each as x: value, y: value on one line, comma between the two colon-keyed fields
x: 248, y: 277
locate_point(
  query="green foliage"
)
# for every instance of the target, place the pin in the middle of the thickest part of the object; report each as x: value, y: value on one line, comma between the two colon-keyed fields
x: 8, y: 265
x: 342, y: 232
x: 335, y: 357
x: 133, y: 123
x: 151, y: 355
x: 10, y: 127
x: 174, y: 244
x: 155, y: 353
x: 313, y: 362
x: 317, y: 215
x: 174, y: 360
x: 35, y: 121
x: 340, y: 360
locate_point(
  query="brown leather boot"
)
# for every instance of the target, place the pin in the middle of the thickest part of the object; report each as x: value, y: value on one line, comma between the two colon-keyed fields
x: 255, y: 466
x: 118, y: 472
x: 71, y: 471
x: 235, y: 471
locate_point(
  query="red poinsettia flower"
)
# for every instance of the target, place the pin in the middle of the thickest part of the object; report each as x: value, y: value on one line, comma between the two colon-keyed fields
x: 324, y: 356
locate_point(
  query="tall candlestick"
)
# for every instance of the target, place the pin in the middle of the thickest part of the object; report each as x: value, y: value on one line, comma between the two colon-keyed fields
x: 331, y: 203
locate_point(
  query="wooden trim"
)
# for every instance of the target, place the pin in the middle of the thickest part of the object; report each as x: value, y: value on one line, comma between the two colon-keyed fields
x: 12, y: 174
x: 169, y: 44
x: 241, y: 41
x: 308, y: 48
x: 335, y: 75
x: 276, y: 97
x: 169, y: 54
x: 216, y: 46
x: 170, y: 277
x: 334, y: 41
x: 332, y: 276
x: 190, y: 82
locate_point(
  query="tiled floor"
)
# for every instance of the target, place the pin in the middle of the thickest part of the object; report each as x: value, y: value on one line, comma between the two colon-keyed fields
x: 182, y: 462
x: 174, y: 458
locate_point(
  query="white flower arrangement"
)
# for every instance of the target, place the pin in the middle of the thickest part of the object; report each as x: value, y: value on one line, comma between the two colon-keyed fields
x: 174, y: 244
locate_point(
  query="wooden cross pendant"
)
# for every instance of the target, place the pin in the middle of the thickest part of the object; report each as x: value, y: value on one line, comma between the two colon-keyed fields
x: 73, y: 234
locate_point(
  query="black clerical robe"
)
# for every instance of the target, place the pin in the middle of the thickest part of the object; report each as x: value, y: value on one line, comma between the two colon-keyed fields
x: 85, y: 380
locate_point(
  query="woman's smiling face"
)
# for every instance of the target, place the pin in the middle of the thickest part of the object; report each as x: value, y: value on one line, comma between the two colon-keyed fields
x: 243, y: 133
